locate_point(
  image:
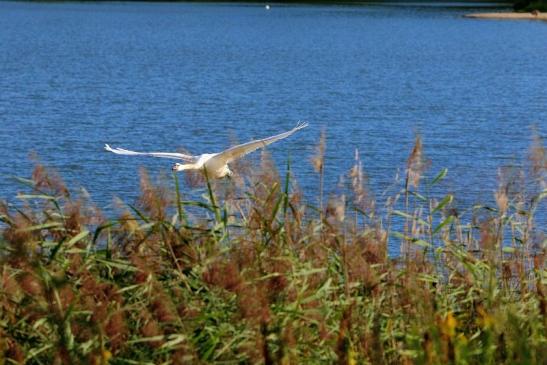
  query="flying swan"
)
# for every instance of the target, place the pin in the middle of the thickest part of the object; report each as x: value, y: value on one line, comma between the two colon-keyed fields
x: 216, y: 164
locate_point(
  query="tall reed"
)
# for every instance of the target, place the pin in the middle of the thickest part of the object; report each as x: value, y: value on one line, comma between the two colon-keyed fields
x: 249, y: 274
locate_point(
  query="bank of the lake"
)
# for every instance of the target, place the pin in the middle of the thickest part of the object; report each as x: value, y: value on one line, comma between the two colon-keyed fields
x: 509, y: 15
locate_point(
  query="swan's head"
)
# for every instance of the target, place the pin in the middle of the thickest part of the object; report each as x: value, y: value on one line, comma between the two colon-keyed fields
x: 178, y: 167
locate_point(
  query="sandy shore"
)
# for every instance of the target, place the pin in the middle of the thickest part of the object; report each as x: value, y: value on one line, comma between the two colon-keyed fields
x: 526, y: 16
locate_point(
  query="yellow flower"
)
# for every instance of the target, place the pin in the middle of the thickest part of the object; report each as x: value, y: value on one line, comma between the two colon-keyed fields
x: 485, y: 320
x: 106, y: 356
x: 449, y: 324
x: 462, y: 340
x: 351, y: 357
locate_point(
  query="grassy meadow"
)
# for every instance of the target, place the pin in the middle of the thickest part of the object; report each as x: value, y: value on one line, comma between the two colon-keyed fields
x: 252, y: 273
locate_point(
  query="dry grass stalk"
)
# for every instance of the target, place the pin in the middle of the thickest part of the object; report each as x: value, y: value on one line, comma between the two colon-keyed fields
x: 318, y: 163
x: 416, y: 164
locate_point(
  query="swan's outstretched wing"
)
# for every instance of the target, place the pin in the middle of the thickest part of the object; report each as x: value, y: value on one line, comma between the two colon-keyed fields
x: 173, y: 155
x: 241, y: 150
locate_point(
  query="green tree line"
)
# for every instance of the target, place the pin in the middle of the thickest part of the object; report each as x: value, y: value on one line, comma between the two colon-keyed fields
x: 530, y: 5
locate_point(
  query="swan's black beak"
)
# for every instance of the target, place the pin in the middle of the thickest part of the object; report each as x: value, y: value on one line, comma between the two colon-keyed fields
x: 174, y: 168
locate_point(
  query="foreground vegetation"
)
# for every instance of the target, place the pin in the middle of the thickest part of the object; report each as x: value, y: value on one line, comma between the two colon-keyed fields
x: 252, y: 274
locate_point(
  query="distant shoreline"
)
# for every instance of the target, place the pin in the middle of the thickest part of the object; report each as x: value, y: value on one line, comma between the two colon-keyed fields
x: 509, y: 15
x: 457, y: 3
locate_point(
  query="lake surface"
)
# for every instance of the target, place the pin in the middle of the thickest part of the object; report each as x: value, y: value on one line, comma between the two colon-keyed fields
x: 148, y: 76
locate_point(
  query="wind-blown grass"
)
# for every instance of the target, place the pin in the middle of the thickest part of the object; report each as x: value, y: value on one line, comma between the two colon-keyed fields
x: 252, y: 274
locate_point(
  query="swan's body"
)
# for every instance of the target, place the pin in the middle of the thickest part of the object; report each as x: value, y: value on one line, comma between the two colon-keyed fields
x: 215, y: 167
x: 215, y: 164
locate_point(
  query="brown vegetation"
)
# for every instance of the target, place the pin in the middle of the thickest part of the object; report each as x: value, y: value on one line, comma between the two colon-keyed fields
x: 266, y: 280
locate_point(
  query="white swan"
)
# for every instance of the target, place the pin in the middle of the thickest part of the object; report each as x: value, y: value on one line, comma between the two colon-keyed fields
x: 216, y: 164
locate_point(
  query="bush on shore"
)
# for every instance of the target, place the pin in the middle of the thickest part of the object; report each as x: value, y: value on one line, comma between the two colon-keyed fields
x: 530, y: 5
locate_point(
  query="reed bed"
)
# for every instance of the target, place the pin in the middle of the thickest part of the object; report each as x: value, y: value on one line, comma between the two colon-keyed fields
x: 253, y: 274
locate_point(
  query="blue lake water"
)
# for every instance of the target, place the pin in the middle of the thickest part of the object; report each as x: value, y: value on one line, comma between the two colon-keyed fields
x: 149, y: 76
